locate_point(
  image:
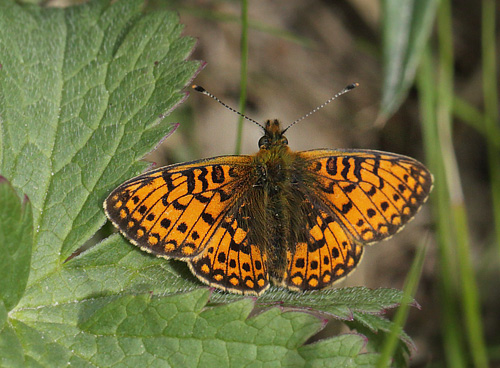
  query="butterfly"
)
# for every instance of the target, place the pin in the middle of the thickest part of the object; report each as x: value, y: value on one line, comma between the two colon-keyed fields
x: 298, y: 219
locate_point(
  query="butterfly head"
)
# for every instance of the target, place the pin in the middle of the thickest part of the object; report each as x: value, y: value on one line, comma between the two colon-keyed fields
x: 273, y: 135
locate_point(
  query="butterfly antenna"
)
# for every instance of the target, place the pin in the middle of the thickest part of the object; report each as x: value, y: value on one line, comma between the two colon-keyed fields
x: 205, y: 92
x: 345, y: 90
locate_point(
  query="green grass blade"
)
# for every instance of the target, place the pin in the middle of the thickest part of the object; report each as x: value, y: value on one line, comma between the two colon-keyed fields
x: 243, y: 73
x: 450, y: 325
x: 410, y: 288
x: 490, y: 93
x: 406, y: 28
x: 253, y: 24
x: 473, y: 117
x: 469, y: 294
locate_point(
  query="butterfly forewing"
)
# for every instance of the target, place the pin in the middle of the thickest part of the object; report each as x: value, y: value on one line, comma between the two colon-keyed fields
x: 174, y: 211
x: 373, y: 194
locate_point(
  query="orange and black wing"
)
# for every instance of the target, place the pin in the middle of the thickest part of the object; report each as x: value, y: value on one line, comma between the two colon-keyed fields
x: 329, y: 254
x: 352, y: 198
x: 192, y: 212
x: 372, y: 194
x: 173, y: 211
x: 231, y: 261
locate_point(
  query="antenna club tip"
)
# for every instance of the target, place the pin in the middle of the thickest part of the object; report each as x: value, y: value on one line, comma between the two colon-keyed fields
x: 198, y: 88
x: 352, y: 86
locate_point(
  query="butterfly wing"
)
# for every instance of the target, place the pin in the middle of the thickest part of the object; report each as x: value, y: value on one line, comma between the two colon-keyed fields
x: 231, y: 261
x: 193, y: 212
x: 353, y: 198
x: 328, y: 255
x: 373, y: 194
x: 173, y: 211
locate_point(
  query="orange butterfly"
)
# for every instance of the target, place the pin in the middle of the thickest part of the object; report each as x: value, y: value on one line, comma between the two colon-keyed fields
x: 300, y: 219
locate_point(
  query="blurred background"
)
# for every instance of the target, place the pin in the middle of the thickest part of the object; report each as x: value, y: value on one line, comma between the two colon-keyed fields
x: 428, y: 89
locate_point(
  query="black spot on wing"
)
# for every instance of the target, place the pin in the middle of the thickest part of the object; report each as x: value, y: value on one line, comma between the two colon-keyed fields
x: 202, y: 177
x: 331, y: 166
x: 218, y: 174
x: 347, y: 166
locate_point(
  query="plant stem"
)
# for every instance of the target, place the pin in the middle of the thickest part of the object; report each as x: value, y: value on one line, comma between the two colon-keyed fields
x: 243, y: 72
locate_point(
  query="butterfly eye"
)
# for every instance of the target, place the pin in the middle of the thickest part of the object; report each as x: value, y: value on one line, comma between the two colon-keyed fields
x: 264, y: 141
x: 284, y: 140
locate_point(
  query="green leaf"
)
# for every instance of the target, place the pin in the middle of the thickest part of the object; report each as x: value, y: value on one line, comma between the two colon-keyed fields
x: 180, y: 330
x: 377, y: 323
x: 11, y: 351
x: 16, y: 242
x: 82, y: 93
x: 377, y: 329
x: 406, y: 28
x: 349, y: 347
x: 342, y: 302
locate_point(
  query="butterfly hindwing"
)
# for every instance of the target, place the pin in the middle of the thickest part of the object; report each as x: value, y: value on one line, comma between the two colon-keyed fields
x: 230, y: 261
x: 175, y: 210
x: 328, y: 255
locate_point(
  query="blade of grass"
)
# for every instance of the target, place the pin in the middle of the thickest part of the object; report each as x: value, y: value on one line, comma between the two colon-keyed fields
x: 216, y: 16
x: 243, y: 72
x: 490, y: 93
x: 453, y: 344
x: 469, y: 294
x: 473, y: 117
x: 406, y: 28
x: 409, y: 291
